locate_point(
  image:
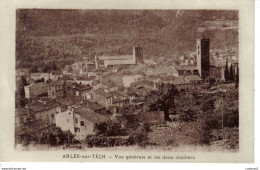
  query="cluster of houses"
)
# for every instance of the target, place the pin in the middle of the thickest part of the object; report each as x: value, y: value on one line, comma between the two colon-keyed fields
x: 86, y: 93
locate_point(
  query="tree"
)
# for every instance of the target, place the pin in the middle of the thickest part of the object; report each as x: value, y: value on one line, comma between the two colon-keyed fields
x: 208, y: 121
x: 231, y: 73
x: 22, y: 83
x: 46, y: 68
x: 139, y: 136
x: 237, y: 78
x: 59, y: 137
x: 54, y: 66
x: 226, y: 72
x: 108, y: 129
x: 34, y: 69
x: 161, y: 100
x: 64, y: 90
x: 188, y: 116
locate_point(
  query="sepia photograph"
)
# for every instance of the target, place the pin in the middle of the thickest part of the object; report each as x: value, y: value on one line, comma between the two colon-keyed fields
x: 121, y: 80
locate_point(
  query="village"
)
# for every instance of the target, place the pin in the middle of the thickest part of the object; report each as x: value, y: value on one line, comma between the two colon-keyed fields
x: 107, y: 101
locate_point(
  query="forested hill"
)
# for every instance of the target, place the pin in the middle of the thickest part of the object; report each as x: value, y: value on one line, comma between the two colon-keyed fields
x: 66, y: 35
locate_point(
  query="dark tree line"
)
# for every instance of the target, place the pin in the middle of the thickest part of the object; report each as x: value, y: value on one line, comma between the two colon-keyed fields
x: 162, y: 100
x: 231, y: 75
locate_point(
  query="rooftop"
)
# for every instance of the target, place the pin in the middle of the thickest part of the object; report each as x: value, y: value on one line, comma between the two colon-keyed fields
x: 103, y: 93
x: 21, y: 111
x: 82, y: 87
x: 119, y: 62
x: 181, y: 80
x: 193, y: 78
x: 42, y: 106
x: 93, y: 105
x: 187, y: 68
x: 119, y: 57
x: 91, y: 115
x: 56, y: 83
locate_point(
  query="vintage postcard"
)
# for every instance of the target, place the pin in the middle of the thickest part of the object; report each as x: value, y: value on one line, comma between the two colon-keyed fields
x: 128, y: 82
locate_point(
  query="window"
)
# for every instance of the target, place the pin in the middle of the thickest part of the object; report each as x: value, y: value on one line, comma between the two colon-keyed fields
x: 82, y: 123
x: 77, y: 130
x: 198, y: 52
x: 68, y: 120
x: 52, y: 115
x: 198, y: 47
x: 76, y: 120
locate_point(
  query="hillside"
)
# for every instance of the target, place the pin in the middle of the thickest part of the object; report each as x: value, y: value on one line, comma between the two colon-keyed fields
x: 64, y: 36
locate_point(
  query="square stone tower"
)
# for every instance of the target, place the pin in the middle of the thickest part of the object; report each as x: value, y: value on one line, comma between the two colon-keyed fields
x: 202, y: 49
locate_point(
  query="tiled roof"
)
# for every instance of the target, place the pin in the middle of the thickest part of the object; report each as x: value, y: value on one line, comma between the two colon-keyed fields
x: 93, y: 105
x: 82, y: 87
x: 181, y: 80
x: 103, y: 93
x: 161, y: 70
x: 39, y: 106
x: 56, y: 83
x: 187, y: 68
x: 68, y: 101
x: 218, y: 63
x: 119, y: 62
x: 119, y: 57
x: 91, y: 116
x: 41, y: 84
x: 21, y: 111
x: 119, y: 93
x: 193, y: 78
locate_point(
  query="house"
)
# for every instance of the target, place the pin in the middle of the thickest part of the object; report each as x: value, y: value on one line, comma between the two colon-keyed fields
x: 137, y: 96
x: 106, y: 61
x: 111, y: 86
x: 39, y: 76
x: 56, y: 75
x: 65, y: 119
x: 182, y: 83
x: 83, y: 91
x: 194, y: 79
x: 102, y: 97
x: 144, y: 83
x: 68, y: 102
x: 161, y: 70
x: 44, y: 110
x: 217, y: 68
x: 107, y: 99
x: 130, y: 78
x: 187, y: 70
x: 21, y: 116
x: 79, y: 121
x: 85, y: 80
x: 85, y: 120
x: 93, y: 105
x: 36, y: 128
x: 35, y: 90
x: 55, y: 89
x: 119, y: 99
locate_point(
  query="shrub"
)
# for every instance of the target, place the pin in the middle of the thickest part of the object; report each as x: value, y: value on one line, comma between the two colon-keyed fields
x: 139, y: 136
x: 188, y: 116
